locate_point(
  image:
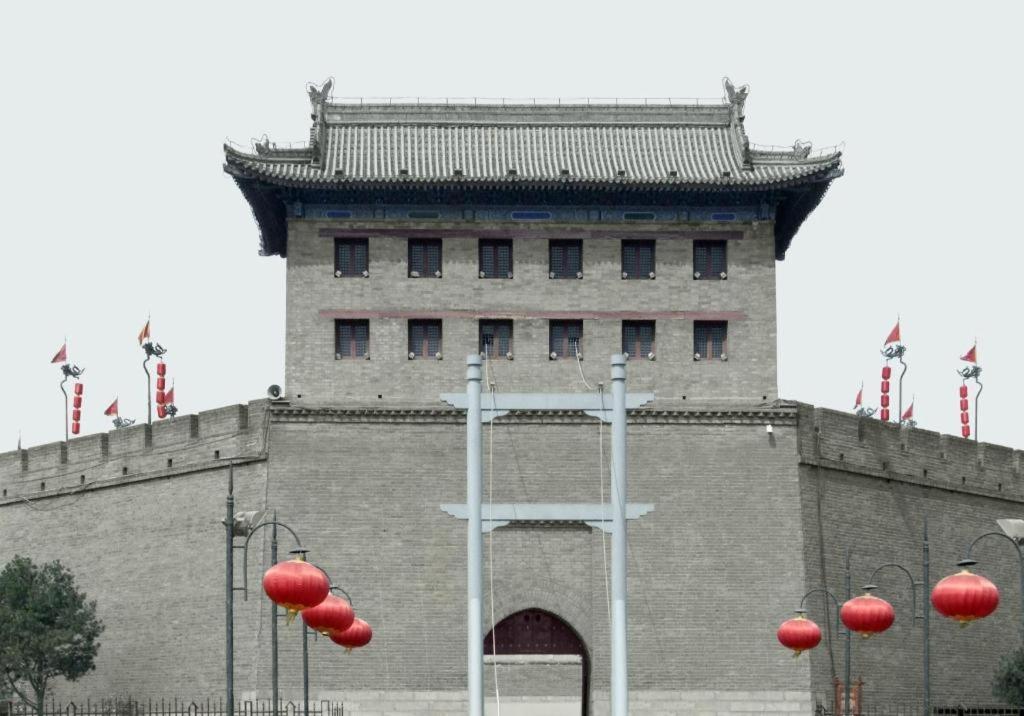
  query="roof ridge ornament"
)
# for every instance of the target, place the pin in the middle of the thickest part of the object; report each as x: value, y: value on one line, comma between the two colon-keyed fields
x: 801, y: 149
x: 318, y: 100
x: 737, y: 97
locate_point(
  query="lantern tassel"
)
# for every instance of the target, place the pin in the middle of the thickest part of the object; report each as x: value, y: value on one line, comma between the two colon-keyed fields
x: 290, y: 616
x: 797, y: 653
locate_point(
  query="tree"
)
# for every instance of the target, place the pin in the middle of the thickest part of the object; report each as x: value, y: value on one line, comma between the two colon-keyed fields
x: 47, y: 628
x: 1008, y: 684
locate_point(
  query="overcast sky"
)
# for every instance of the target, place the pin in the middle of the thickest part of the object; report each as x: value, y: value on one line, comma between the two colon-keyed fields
x: 115, y: 205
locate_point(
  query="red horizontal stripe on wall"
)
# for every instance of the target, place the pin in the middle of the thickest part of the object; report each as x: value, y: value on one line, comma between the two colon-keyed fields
x: 526, y: 232
x: 550, y: 315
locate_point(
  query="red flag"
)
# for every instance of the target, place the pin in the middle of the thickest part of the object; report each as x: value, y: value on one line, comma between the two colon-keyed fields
x: 860, y: 397
x: 62, y: 354
x: 971, y: 356
x: 894, y: 335
x: 112, y: 410
x: 144, y: 333
x: 908, y: 414
x: 169, y: 396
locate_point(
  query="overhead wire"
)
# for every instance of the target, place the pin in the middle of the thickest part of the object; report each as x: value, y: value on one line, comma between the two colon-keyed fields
x: 491, y: 385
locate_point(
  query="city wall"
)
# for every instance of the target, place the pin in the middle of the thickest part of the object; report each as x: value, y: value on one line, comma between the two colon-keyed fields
x: 732, y: 543
x: 868, y: 487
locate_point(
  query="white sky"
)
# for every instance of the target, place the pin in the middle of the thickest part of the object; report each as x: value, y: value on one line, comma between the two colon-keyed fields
x: 114, y: 204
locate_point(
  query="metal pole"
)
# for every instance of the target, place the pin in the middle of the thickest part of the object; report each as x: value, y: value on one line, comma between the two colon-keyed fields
x: 925, y: 625
x: 66, y: 406
x: 229, y: 593
x: 305, y: 669
x: 977, y: 432
x: 273, y: 622
x: 846, y: 689
x: 149, y: 392
x: 620, y: 681
x: 475, y: 544
x: 900, y: 398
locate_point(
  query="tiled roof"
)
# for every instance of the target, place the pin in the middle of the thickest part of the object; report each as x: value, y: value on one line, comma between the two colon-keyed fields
x: 666, y: 146
x: 654, y: 153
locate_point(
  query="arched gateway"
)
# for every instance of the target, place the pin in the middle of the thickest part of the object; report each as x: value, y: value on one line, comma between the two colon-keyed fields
x: 541, y: 661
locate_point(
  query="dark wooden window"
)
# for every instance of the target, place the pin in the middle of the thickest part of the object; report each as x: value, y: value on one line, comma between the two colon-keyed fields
x: 495, y: 258
x: 351, y: 257
x: 351, y: 339
x: 565, y: 259
x: 564, y: 338
x: 710, y: 339
x: 709, y: 260
x: 425, y: 258
x: 638, y: 338
x: 424, y: 338
x: 638, y: 259
x: 495, y: 338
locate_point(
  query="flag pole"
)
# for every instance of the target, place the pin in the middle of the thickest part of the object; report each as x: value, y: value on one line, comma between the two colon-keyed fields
x: 65, y: 373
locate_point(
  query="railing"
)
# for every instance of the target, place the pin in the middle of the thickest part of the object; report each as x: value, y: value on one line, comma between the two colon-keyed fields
x: 173, y: 707
x: 825, y: 707
x: 503, y: 101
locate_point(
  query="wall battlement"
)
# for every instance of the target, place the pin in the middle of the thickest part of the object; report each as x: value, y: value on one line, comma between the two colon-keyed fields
x: 180, y: 444
x: 831, y: 438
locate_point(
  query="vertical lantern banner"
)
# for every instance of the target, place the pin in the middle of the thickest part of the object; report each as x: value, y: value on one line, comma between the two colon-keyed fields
x: 76, y: 412
x: 886, y: 374
x: 161, y: 383
x: 965, y: 415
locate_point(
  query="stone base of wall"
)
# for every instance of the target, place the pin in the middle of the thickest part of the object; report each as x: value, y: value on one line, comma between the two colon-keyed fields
x: 645, y: 703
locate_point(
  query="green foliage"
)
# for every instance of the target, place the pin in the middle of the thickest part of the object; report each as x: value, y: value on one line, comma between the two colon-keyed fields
x: 1008, y: 684
x: 47, y: 628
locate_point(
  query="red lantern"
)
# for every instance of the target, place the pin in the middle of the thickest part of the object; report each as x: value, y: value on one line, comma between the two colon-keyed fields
x: 799, y: 634
x: 74, y: 428
x: 161, y: 383
x: 886, y: 372
x: 965, y: 430
x: 963, y: 390
x: 78, y: 388
x: 295, y: 585
x: 76, y: 415
x: 965, y: 596
x: 161, y: 368
x: 885, y: 400
x: 884, y: 412
x: 159, y: 397
x: 76, y: 401
x: 867, y: 614
x: 964, y: 404
x: 885, y: 386
x: 357, y: 635
x: 965, y: 418
x: 161, y: 411
x: 333, y: 614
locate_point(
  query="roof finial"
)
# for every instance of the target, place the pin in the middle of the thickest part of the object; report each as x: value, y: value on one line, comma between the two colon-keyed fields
x: 737, y: 96
x: 318, y: 95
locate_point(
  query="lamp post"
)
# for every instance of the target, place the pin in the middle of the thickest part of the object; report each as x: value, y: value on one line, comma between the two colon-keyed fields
x: 968, y: 561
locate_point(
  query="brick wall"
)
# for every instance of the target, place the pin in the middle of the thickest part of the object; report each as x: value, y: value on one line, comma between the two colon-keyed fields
x: 731, y: 545
x: 313, y: 373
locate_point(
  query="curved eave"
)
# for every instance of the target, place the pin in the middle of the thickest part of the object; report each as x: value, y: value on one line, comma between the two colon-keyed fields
x: 800, y: 194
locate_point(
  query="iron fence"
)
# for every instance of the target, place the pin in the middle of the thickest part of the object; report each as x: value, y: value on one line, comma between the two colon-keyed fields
x: 174, y: 707
x: 827, y: 707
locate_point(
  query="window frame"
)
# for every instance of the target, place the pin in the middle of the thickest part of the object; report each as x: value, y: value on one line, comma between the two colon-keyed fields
x: 563, y: 244
x: 425, y: 245
x: 353, y: 341
x: 424, y: 344
x: 351, y: 244
x: 705, y: 351
x: 707, y: 272
x: 563, y: 350
x: 628, y: 272
x: 638, y: 341
x: 494, y: 245
x: 501, y: 323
